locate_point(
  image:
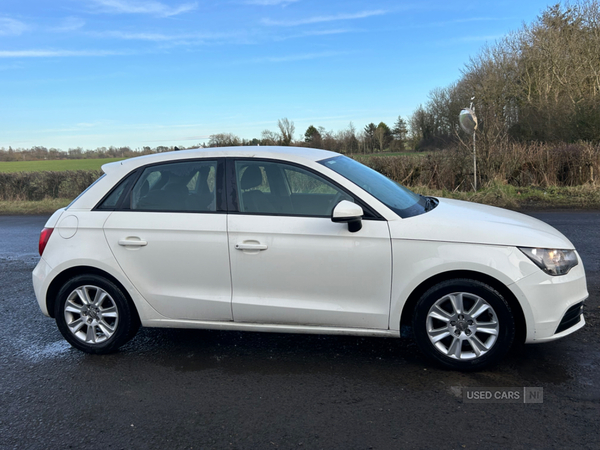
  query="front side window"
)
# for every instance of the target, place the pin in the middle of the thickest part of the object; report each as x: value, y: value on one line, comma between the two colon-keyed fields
x: 266, y: 187
x: 399, y: 199
x: 188, y: 186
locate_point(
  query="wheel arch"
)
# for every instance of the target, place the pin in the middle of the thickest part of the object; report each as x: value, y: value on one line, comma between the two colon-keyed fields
x: 64, y: 276
x: 409, y: 306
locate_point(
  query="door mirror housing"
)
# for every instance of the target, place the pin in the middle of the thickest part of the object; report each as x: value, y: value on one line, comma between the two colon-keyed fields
x: 350, y: 213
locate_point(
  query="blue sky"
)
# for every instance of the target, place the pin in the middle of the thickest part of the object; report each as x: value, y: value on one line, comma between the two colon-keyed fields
x: 94, y: 73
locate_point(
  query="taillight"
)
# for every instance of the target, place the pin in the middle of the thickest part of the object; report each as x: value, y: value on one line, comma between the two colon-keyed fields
x: 44, y: 236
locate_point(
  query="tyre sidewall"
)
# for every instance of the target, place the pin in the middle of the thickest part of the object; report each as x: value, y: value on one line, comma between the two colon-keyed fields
x: 486, y: 292
x: 125, y: 326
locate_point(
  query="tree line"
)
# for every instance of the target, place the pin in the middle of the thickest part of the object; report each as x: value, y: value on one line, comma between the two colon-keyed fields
x: 38, y: 153
x: 373, y: 138
x: 538, y: 84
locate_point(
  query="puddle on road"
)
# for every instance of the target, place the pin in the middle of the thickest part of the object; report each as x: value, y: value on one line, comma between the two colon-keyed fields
x: 38, y: 353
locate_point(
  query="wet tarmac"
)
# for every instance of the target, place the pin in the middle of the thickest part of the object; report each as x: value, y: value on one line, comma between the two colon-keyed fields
x: 195, y: 389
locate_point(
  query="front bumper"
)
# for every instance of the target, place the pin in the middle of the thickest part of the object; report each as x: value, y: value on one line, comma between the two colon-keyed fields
x: 572, y: 317
x: 552, y: 305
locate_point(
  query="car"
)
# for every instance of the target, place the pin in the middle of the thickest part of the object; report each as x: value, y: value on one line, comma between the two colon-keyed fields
x: 298, y: 240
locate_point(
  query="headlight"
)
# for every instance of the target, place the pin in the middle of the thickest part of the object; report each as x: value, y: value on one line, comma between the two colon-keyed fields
x: 552, y: 261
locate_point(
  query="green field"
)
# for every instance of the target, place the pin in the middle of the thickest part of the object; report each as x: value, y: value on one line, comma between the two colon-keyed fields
x: 55, y: 165
x: 95, y: 164
x: 370, y: 155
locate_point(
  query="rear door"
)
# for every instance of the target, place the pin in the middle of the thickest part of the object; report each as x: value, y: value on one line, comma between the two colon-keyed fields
x: 169, y: 236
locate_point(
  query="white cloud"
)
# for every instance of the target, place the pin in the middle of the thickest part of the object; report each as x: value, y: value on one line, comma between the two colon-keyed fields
x: 156, y: 37
x: 69, y: 24
x: 143, y: 7
x: 270, y: 2
x: 185, y: 38
x: 89, y: 124
x: 464, y: 20
x: 292, y: 58
x: 466, y: 39
x: 54, y: 53
x: 325, y: 32
x: 321, y: 19
x: 187, y: 138
x: 11, y: 27
x: 10, y: 67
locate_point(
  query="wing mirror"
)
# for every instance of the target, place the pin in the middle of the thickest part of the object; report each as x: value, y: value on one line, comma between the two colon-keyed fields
x: 350, y: 213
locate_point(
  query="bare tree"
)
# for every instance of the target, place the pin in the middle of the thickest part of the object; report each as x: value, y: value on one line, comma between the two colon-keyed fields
x: 223, y: 140
x: 540, y: 83
x: 287, y: 129
x: 270, y: 138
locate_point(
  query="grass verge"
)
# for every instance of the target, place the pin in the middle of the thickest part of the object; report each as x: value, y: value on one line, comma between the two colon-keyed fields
x: 526, y: 198
x: 47, y: 206
x: 55, y: 165
x: 366, y: 156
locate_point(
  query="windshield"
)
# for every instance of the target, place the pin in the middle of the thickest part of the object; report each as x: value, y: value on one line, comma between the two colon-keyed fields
x: 399, y: 199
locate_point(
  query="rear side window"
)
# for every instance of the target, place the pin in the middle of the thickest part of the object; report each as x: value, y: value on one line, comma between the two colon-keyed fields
x: 188, y: 186
x: 112, y: 200
x: 115, y: 198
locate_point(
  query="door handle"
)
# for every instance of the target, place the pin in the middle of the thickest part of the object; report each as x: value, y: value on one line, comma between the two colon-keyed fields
x: 244, y: 246
x: 132, y: 242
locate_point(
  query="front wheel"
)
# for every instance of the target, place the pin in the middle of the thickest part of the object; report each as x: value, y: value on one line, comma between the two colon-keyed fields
x: 93, y: 315
x: 463, y: 324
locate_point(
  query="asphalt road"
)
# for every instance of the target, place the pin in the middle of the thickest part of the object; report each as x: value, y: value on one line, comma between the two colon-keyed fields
x: 179, y: 389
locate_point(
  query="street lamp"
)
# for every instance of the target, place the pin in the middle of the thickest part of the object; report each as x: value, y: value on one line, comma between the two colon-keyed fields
x: 468, y: 122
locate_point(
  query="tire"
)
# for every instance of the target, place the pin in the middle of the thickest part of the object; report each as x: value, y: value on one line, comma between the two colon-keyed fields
x: 94, y: 315
x: 463, y: 324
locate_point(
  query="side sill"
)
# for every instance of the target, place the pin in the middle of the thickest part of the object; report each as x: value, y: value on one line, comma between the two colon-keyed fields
x: 268, y: 328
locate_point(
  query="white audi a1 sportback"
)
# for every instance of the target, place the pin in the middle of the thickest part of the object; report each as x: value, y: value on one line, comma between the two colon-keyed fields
x: 297, y: 240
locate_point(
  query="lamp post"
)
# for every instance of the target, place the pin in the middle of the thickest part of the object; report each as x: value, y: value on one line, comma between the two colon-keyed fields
x: 468, y: 122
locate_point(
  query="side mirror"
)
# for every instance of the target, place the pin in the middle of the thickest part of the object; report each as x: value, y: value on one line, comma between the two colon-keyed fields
x: 350, y: 213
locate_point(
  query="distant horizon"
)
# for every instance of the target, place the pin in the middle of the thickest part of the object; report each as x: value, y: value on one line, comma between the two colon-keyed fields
x: 136, y: 73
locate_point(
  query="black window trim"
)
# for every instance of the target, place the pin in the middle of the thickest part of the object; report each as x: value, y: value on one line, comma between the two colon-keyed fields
x: 232, y: 192
x: 130, y: 177
x: 134, y: 175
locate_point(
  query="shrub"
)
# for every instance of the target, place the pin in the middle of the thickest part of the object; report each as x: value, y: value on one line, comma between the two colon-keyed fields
x: 516, y: 164
x: 42, y: 185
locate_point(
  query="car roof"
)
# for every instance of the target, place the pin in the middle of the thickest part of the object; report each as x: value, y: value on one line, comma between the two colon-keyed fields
x: 294, y: 154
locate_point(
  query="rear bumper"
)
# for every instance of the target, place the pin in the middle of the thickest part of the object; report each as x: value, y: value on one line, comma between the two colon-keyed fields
x: 40, y: 280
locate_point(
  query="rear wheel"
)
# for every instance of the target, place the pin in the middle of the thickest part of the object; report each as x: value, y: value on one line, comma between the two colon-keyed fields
x: 463, y: 324
x: 94, y: 315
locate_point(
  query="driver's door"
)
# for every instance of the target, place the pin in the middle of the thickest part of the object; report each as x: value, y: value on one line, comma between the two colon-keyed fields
x: 290, y: 264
